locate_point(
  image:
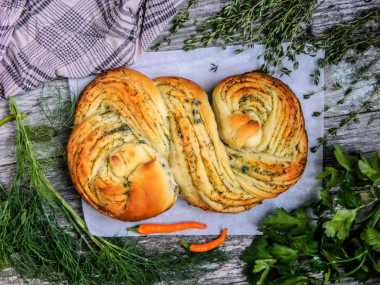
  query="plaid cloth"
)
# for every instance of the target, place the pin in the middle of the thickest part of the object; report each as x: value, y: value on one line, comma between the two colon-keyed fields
x: 43, y: 39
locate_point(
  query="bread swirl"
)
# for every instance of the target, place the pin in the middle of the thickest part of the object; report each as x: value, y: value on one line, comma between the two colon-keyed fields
x: 261, y: 122
x: 118, y: 151
x: 250, y: 146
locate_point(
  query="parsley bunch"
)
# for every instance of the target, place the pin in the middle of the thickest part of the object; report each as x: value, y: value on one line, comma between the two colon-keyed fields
x: 328, y: 240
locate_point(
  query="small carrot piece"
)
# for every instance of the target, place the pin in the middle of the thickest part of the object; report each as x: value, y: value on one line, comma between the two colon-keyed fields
x: 206, y: 246
x: 146, y: 229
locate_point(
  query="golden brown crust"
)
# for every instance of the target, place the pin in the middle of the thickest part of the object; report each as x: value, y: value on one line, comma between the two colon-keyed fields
x: 274, y: 157
x: 117, y: 154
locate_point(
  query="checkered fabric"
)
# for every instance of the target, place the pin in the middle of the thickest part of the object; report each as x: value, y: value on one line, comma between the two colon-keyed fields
x: 43, y: 39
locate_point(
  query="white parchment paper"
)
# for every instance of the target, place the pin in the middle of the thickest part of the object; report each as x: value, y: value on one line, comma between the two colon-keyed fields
x: 196, y: 65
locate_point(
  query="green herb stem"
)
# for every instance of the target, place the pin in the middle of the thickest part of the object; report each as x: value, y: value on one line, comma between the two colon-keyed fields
x: 375, y: 218
x: 348, y: 259
x: 367, y: 204
x: 263, y: 276
x: 371, y: 258
x: 369, y: 215
x: 9, y: 118
x: 352, y: 271
x: 373, y: 190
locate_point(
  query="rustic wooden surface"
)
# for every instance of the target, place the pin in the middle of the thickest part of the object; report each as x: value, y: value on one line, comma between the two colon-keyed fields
x: 357, y: 136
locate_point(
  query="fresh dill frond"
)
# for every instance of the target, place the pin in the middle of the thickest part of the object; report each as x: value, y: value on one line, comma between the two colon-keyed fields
x: 58, y: 108
x: 37, y: 246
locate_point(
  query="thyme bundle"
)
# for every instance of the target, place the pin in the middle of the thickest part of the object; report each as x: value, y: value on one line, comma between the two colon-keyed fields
x: 35, y: 244
x: 267, y: 22
x: 275, y: 22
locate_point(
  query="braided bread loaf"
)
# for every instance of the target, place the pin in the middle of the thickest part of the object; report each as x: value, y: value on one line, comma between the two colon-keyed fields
x: 133, y: 134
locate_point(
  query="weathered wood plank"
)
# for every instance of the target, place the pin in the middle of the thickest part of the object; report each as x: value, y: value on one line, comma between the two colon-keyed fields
x: 325, y: 16
x: 356, y: 136
x: 344, y: 73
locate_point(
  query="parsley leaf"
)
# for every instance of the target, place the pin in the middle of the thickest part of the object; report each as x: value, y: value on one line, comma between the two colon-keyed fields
x: 263, y: 264
x: 281, y: 220
x: 258, y: 250
x: 332, y: 251
x: 340, y: 224
x: 305, y: 244
x: 317, y: 265
x: 348, y: 198
x: 337, y: 176
x: 275, y: 235
x: 345, y: 160
x: 285, y: 254
x: 327, y: 199
x: 371, y: 237
x: 373, y: 173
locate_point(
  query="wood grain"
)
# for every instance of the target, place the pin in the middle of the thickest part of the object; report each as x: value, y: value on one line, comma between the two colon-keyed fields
x: 355, y: 136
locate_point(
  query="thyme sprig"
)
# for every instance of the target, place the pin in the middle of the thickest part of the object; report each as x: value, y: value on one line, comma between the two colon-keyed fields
x: 36, y: 245
x: 266, y: 22
x: 352, y: 117
x: 361, y: 75
x: 358, y: 35
x: 274, y: 22
x: 178, y: 22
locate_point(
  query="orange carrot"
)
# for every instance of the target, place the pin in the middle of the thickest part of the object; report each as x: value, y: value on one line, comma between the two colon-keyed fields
x: 206, y: 246
x: 147, y: 229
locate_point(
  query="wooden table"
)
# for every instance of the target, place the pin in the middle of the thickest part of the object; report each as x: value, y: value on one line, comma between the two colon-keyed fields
x: 356, y: 136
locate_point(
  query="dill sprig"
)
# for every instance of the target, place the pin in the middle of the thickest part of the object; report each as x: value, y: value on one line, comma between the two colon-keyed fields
x: 58, y: 108
x: 37, y: 246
